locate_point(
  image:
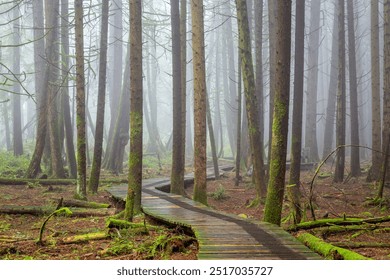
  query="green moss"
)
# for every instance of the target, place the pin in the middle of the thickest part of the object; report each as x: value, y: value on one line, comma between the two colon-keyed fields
x: 327, y: 250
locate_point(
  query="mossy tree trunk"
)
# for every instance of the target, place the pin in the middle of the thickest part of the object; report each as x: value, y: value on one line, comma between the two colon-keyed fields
x: 70, y: 152
x: 98, y: 147
x: 252, y: 107
x: 200, y: 193
x: 177, y: 172
x: 375, y: 93
x: 80, y: 102
x: 296, y: 138
x: 133, y: 201
x: 340, y: 113
x: 275, y: 192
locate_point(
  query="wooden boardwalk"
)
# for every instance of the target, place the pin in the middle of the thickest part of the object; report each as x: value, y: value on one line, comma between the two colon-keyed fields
x: 220, y: 236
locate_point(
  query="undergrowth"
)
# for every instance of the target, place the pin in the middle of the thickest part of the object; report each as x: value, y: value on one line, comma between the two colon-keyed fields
x: 12, y: 166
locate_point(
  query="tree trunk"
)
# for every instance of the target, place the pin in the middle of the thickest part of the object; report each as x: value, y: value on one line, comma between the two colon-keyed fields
x: 177, y: 172
x: 212, y: 138
x: 252, y: 107
x: 183, y: 65
x: 16, y: 102
x: 386, y: 79
x: 340, y: 124
x: 330, y: 109
x: 199, y: 70
x: 98, y: 147
x: 80, y: 102
x: 353, y: 95
x: 312, y: 81
x: 275, y: 192
x: 70, y: 152
x: 231, y: 100
x: 133, y: 201
x: 296, y: 137
x: 375, y: 92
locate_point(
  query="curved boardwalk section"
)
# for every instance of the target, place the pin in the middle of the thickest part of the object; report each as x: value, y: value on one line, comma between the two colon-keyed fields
x: 220, y: 236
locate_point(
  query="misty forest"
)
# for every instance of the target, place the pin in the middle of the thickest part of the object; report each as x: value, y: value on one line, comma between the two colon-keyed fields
x: 149, y: 129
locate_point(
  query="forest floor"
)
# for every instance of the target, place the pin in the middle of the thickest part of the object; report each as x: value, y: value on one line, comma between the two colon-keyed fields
x: 331, y: 200
x: 19, y: 233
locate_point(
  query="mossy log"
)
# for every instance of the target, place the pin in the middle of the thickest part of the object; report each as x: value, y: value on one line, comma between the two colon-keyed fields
x: 337, y: 221
x: 115, y: 223
x: 41, y: 211
x: 86, y: 237
x: 357, y: 245
x: 337, y: 229
x: 25, y: 181
x: 327, y: 250
x: 84, y: 204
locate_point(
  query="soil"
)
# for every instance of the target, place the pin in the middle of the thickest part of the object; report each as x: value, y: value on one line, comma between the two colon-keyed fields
x: 18, y: 233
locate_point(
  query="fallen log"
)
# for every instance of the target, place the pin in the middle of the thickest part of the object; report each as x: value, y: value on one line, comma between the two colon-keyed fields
x: 86, y: 237
x: 84, y: 204
x: 41, y: 211
x: 115, y: 223
x: 357, y: 245
x: 337, y: 221
x: 25, y: 181
x: 337, y: 229
x: 327, y: 250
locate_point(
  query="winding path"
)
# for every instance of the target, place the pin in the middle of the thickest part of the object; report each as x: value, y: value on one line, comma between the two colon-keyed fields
x: 220, y: 235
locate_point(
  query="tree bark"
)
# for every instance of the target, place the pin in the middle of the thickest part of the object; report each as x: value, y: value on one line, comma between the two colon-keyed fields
x: 340, y: 116
x: 296, y: 137
x: 98, y: 147
x: 353, y: 95
x: 331, y: 104
x: 312, y: 81
x: 80, y: 102
x: 70, y: 152
x: 275, y: 191
x: 200, y: 193
x: 133, y: 201
x: 252, y: 107
x: 16, y: 100
x: 375, y: 93
x: 177, y: 172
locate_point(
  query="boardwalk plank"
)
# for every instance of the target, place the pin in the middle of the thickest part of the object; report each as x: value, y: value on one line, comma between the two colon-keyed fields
x: 220, y: 235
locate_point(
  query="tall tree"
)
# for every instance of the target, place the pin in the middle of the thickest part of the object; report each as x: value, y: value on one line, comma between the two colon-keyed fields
x: 133, y: 200
x: 312, y: 81
x: 331, y: 104
x: 16, y: 100
x: 70, y: 152
x: 252, y: 107
x: 296, y: 137
x: 80, y: 102
x: 199, y: 67
x: 52, y: 24
x: 340, y: 112
x: 40, y: 84
x: 386, y: 82
x: 353, y: 89
x: 375, y: 93
x: 275, y: 192
x: 177, y: 173
x: 98, y: 147
x: 183, y: 62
